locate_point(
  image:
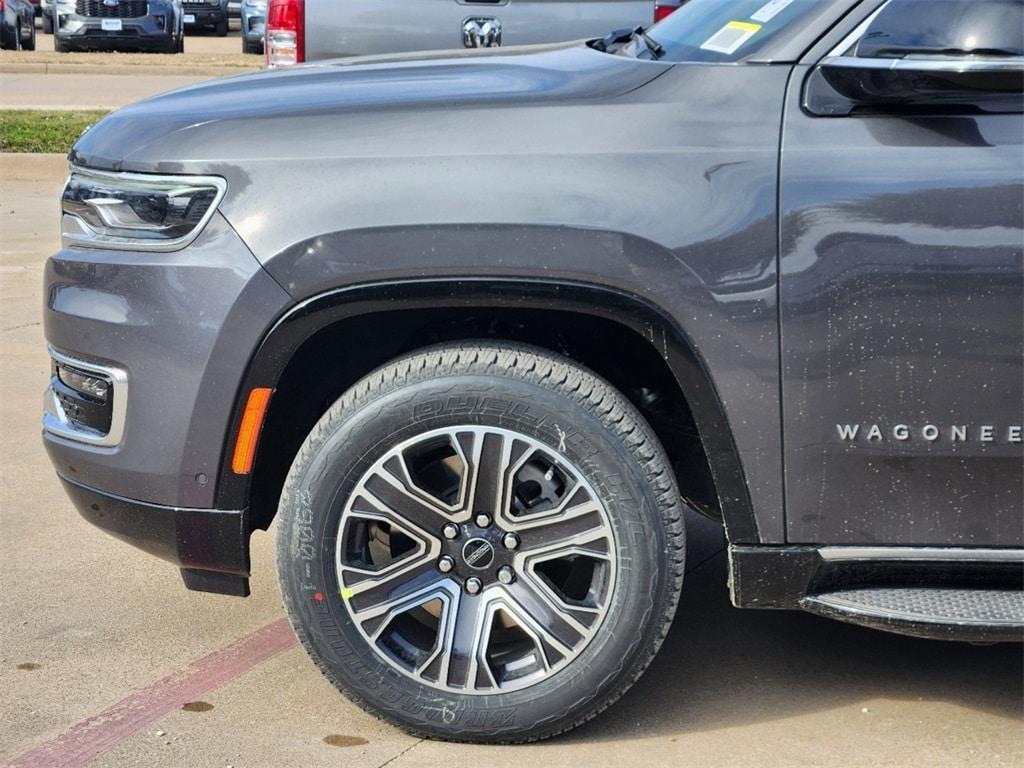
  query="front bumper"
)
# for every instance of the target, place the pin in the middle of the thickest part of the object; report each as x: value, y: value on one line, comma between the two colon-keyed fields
x: 141, y: 32
x: 178, y: 329
x: 203, y: 18
x: 172, y: 332
x: 211, y: 546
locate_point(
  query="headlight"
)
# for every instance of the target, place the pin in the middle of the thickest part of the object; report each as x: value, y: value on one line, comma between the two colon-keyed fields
x: 256, y: 5
x: 137, y: 211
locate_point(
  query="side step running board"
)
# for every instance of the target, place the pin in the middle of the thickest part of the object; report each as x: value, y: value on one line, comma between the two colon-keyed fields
x: 975, y: 615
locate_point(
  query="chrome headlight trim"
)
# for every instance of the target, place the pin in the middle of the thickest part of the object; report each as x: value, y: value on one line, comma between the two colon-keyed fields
x: 76, y: 232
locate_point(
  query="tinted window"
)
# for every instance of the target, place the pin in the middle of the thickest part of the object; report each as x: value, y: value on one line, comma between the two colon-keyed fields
x: 945, y: 27
x: 727, y: 31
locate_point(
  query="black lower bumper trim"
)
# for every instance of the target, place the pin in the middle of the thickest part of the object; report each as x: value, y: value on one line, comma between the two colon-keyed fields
x: 210, y: 545
x: 214, y: 581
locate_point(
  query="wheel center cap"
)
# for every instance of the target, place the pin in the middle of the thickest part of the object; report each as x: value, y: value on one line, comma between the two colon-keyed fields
x: 478, y: 553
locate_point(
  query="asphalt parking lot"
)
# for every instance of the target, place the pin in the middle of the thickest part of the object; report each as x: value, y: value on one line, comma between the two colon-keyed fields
x: 105, y: 658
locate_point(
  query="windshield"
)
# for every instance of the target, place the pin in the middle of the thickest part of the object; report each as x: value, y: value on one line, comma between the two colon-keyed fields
x: 728, y: 30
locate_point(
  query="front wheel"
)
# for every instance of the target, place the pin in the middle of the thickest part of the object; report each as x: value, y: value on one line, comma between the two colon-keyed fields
x: 222, y: 29
x: 482, y: 543
x: 47, y: 24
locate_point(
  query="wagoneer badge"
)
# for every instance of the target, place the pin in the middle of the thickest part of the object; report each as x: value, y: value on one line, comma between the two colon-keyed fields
x: 954, y: 433
x: 478, y: 32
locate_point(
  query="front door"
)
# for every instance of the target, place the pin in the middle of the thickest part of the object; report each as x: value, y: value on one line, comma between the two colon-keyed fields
x: 901, y: 281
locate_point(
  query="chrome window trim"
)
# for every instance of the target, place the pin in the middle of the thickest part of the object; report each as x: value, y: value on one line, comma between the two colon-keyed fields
x: 90, y: 238
x: 56, y: 422
x: 922, y: 554
x: 930, y: 64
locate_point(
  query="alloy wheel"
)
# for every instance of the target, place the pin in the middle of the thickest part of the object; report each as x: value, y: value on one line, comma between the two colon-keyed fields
x: 475, y: 559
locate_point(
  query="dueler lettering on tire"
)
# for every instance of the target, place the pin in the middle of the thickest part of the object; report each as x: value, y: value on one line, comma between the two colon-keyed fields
x: 482, y: 542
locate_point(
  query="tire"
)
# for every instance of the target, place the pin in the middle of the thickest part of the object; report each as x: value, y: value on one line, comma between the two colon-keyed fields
x: 47, y: 24
x: 580, y: 620
x: 30, y: 43
x: 222, y: 28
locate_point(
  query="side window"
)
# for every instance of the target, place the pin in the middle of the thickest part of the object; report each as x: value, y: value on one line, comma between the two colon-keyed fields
x: 926, y: 57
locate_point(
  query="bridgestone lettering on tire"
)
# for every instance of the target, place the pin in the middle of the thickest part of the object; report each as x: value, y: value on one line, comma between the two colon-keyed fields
x: 481, y: 542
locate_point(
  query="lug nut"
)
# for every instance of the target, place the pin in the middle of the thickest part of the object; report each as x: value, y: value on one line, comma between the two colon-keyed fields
x: 445, y: 564
x: 506, y: 575
x: 473, y: 585
x: 450, y: 531
x: 482, y: 520
x: 510, y: 540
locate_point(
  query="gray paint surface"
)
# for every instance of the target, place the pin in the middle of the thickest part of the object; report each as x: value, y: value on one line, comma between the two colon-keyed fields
x: 902, y: 304
x: 183, y: 326
x: 359, y: 170
x: 653, y: 178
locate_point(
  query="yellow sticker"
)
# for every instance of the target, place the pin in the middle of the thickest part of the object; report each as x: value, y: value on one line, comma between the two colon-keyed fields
x: 346, y: 593
x: 730, y: 37
x: 743, y: 25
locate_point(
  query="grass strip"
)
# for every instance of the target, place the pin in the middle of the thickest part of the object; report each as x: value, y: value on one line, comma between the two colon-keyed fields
x: 31, y: 130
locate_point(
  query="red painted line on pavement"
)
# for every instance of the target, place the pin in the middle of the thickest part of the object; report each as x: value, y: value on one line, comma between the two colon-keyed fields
x: 91, y: 737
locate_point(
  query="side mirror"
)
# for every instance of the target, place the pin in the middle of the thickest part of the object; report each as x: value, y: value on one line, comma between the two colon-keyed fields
x: 844, y: 85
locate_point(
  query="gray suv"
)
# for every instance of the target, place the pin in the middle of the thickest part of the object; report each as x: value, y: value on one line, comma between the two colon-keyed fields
x: 473, y: 329
x: 118, y: 25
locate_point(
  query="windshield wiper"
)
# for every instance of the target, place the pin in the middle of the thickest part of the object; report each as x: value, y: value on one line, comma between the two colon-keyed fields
x: 634, y: 42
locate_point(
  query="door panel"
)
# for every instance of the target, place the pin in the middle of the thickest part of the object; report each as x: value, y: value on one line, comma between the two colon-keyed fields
x: 902, y: 314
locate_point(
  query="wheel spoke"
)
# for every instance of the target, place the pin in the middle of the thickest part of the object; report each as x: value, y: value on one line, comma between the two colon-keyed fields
x: 490, y: 456
x: 392, y: 493
x: 464, y: 639
x: 575, y: 531
x: 557, y: 624
x: 373, y: 597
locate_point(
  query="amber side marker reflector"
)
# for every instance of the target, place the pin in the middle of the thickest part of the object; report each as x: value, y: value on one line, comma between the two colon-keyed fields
x: 249, y: 430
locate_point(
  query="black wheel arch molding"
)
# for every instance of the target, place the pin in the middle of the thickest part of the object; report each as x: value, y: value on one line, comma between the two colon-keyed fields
x: 639, y: 315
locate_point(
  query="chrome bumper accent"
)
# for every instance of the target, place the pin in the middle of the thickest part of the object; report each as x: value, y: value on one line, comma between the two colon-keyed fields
x: 56, y: 422
x: 923, y: 554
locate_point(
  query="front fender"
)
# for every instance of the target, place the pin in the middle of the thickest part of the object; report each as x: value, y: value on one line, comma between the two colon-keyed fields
x: 647, y: 320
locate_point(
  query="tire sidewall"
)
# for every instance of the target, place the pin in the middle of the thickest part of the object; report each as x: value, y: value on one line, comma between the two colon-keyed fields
x: 337, y: 458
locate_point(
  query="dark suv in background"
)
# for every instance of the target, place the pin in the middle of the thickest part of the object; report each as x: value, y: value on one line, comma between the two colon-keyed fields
x: 764, y: 259
x: 206, y: 15
x: 118, y: 25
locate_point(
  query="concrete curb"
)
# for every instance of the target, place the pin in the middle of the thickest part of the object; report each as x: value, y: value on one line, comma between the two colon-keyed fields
x: 41, y: 68
x: 32, y: 166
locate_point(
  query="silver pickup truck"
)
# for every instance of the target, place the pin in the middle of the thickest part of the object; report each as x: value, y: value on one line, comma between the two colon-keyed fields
x: 312, y: 30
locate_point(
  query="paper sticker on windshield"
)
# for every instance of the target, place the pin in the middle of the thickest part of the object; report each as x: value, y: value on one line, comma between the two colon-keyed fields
x: 730, y: 37
x: 770, y: 10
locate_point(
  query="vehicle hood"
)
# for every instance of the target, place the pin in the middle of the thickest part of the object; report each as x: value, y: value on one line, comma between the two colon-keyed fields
x: 232, y: 118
